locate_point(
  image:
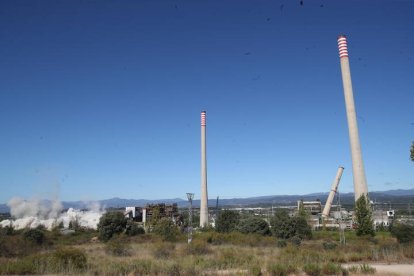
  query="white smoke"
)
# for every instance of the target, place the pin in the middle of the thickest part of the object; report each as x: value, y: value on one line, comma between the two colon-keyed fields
x: 32, y: 213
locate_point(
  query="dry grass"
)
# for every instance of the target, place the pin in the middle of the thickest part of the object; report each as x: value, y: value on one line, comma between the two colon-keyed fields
x: 227, y: 254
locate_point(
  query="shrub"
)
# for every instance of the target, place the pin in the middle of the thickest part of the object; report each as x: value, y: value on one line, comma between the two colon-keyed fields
x: 328, y: 245
x: 296, y: 240
x: 198, y: 247
x: 281, y: 243
x: 70, y: 259
x: 35, y: 236
x: 312, y: 269
x: 227, y: 221
x: 253, y: 225
x: 111, y: 223
x: 367, y: 269
x: 331, y: 269
x: 403, y: 232
x: 286, y: 227
x: 281, y: 269
x: 166, y: 229
x: 116, y: 247
x: 132, y: 229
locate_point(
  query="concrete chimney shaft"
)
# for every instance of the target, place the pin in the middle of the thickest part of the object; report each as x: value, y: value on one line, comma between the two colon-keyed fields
x: 204, y: 195
x: 360, y: 182
x: 332, y: 193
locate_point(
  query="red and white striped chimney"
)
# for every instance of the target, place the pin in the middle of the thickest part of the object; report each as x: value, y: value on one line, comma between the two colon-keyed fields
x: 358, y: 171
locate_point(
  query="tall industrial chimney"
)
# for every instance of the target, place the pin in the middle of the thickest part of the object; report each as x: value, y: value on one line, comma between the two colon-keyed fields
x: 360, y: 182
x: 204, y: 196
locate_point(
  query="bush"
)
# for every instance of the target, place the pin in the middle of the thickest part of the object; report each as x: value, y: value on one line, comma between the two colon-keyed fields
x: 312, y: 269
x: 132, y: 229
x: 286, y: 227
x: 331, y: 269
x: 281, y: 269
x: 328, y: 245
x: 35, y: 236
x: 281, y: 243
x: 111, y: 223
x: 296, y: 240
x: 403, y: 232
x: 70, y: 259
x: 367, y: 269
x: 255, y: 270
x: 198, y: 247
x: 118, y: 248
x: 227, y: 221
x: 166, y: 229
x: 254, y: 225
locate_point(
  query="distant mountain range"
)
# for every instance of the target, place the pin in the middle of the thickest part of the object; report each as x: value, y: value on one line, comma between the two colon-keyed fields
x: 390, y: 196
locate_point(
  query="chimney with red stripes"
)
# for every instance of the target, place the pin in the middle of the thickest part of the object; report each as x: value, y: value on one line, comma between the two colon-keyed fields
x: 358, y: 171
x: 204, y: 195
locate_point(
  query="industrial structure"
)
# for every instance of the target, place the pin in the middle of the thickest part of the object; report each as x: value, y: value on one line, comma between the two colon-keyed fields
x: 145, y: 214
x: 358, y: 171
x: 332, y: 193
x: 204, y: 194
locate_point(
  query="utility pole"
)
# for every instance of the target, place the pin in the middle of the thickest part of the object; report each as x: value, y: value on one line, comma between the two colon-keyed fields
x: 190, y: 197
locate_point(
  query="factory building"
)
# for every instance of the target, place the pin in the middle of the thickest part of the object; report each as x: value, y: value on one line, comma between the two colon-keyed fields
x: 145, y: 214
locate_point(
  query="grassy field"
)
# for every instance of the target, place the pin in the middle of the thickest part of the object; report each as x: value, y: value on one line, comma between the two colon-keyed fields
x: 210, y: 253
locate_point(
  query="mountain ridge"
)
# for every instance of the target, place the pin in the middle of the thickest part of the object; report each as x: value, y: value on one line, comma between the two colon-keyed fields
x: 392, y: 196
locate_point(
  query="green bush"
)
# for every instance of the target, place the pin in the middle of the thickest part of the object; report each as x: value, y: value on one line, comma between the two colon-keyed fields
x: 132, y: 229
x: 227, y: 221
x: 296, y: 240
x: 331, y: 269
x: 403, y: 232
x: 70, y: 259
x: 312, y: 269
x: 198, y: 247
x: 166, y: 228
x: 34, y: 235
x: 111, y: 223
x: 367, y: 269
x: 286, y: 227
x: 253, y: 225
x: 280, y: 269
x: 281, y: 243
x: 328, y: 245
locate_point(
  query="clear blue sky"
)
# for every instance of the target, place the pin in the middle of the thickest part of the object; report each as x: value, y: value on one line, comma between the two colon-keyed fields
x: 102, y: 99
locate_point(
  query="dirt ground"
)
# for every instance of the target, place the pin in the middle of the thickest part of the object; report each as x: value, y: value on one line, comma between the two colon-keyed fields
x: 392, y: 269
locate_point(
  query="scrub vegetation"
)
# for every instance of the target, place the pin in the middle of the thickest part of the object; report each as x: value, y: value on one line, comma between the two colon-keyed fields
x: 248, y: 249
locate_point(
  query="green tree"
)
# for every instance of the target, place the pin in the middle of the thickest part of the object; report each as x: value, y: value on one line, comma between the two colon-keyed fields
x: 111, y: 223
x: 166, y: 228
x: 286, y: 227
x: 253, y: 225
x: 412, y: 152
x: 227, y: 221
x: 363, y: 217
x: 34, y: 235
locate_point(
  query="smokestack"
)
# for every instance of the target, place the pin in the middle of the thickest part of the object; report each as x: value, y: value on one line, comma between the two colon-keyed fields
x: 358, y: 171
x: 204, y: 196
x: 332, y: 193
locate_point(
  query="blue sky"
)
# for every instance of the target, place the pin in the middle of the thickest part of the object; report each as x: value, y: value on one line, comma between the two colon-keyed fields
x: 102, y: 99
